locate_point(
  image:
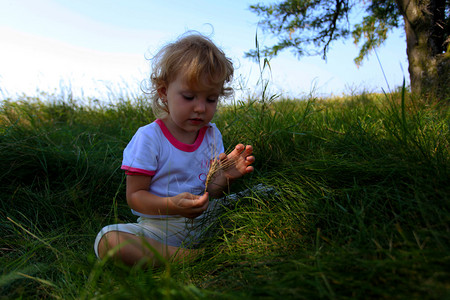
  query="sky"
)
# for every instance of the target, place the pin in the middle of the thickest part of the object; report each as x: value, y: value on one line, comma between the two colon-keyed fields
x: 99, y: 48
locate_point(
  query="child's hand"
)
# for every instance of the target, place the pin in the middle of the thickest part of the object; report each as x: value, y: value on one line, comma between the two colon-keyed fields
x: 238, y: 162
x: 189, y: 205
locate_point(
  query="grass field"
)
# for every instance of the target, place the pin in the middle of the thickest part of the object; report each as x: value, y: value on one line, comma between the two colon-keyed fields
x: 361, y: 209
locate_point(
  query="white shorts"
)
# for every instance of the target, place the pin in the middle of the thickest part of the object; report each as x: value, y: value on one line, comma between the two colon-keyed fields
x: 174, y: 231
x: 171, y: 231
x: 178, y: 231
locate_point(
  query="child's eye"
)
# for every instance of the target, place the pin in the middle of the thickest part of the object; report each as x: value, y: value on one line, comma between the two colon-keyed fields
x: 212, y: 100
x: 188, y: 97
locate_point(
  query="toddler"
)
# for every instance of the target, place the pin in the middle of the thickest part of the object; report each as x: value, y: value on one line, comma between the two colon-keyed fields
x: 167, y: 162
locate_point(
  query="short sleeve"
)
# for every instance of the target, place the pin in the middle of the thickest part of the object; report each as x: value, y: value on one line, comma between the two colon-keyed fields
x: 141, y: 154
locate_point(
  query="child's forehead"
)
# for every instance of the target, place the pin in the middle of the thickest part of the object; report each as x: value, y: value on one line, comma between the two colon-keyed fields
x: 202, y: 84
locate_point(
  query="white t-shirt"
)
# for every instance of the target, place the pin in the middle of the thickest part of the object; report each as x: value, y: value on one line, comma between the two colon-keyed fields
x: 176, y: 167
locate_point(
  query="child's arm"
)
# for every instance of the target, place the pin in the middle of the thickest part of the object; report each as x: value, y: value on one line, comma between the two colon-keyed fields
x: 234, y: 165
x: 141, y: 200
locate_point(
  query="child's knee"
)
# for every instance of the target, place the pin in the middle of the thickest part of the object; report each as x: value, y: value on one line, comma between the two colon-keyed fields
x: 108, y: 241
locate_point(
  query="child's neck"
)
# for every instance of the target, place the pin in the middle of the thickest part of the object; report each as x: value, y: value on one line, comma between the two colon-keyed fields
x: 179, y: 134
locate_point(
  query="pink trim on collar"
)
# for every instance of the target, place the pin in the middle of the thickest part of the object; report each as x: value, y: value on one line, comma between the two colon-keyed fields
x: 180, y: 145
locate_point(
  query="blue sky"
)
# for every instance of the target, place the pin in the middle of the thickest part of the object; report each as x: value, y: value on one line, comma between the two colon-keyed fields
x: 98, y: 46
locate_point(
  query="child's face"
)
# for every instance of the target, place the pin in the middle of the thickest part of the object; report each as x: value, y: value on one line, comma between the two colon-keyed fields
x: 190, y: 108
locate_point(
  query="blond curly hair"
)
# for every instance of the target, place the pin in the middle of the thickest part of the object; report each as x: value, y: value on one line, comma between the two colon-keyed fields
x: 200, y: 61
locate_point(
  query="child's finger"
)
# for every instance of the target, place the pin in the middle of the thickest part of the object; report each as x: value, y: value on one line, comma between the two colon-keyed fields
x: 201, y: 200
x: 205, y: 202
x: 248, y: 150
x: 240, y: 147
x: 244, y: 150
x: 250, y: 159
x: 222, y: 156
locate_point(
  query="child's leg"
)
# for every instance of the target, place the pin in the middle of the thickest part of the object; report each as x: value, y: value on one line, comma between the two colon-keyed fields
x: 133, y: 249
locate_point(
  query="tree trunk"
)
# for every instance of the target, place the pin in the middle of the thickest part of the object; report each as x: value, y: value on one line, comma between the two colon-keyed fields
x: 429, y: 64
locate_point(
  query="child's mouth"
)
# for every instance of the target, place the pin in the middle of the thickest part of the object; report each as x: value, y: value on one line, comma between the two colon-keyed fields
x: 196, y: 121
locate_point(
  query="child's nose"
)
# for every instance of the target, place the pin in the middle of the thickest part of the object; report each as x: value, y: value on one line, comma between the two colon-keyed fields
x: 200, y: 106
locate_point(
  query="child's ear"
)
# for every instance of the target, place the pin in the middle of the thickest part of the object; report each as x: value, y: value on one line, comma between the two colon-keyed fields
x: 162, y: 92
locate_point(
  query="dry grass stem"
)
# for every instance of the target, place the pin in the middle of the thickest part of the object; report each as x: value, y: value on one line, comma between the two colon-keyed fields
x: 216, y: 167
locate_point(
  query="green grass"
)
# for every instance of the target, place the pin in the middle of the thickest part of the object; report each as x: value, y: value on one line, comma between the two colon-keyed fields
x: 361, y: 209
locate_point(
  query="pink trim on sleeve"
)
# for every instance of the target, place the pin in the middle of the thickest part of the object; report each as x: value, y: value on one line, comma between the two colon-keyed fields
x: 136, y: 174
x: 137, y: 171
x: 180, y: 145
